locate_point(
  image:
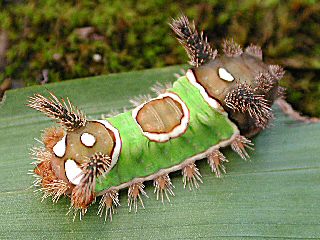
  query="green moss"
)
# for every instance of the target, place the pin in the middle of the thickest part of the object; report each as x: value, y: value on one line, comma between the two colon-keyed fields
x: 130, y: 35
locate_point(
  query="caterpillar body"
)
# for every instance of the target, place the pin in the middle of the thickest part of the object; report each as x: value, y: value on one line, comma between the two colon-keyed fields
x: 222, y: 100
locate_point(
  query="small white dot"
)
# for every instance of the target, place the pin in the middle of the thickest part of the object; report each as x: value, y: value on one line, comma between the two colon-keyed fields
x: 225, y: 75
x: 88, y: 139
x: 60, y: 148
x: 97, y: 57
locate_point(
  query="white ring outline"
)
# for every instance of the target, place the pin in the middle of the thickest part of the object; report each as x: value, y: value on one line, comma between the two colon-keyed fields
x: 177, y: 131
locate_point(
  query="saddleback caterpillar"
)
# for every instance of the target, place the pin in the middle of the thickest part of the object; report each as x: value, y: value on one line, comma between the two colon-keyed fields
x: 223, y: 99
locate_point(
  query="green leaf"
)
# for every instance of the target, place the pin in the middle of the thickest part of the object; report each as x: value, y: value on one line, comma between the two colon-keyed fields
x: 275, y: 194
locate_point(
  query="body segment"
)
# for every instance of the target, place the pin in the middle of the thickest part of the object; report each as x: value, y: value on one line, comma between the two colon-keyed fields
x: 141, y: 157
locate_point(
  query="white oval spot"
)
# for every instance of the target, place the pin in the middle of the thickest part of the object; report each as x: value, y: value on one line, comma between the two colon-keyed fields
x: 88, y: 139
x: 225, y: 75
x: 73, y: 172
x: 60, y: 148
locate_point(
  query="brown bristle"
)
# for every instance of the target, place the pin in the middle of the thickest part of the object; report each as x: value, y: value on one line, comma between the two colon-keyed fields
x: 84, y: 193
x: 264, y: 81
x: 216, y: 160
x: 163, y: 186
x: 48, y: 178
x: 43, y: 168
x: 42, y: 162
x: 240, y: 144
x: 160, y: 88
x: 108, y: 202
x: 231, y: 48
x: 51, y: 136
x: 64, y: 112
x: 243, y: 99
x: 40, y: 154
x: 281, y: 92
x: 134, y: 193
x: 277, y: 71
x: 54, y: 188
x: 195, y: 44
x: 38, y: 171
x: 81, y: 198
x: 98, y: 164
x: 254, y: 50
x: 191, y: 176
x: 141, y: 99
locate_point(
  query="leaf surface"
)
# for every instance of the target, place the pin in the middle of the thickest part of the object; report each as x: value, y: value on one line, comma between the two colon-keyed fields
x: 275, y: 194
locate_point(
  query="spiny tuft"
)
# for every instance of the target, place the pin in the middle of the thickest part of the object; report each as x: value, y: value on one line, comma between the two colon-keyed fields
x: 281, y: 92
x: 141, y: 99
x: 240, y: 144
x: 195, y: 44
x: 84, y: 193
x: 264, y: 81
x: 108, y: 203
x: 64, y: 112
x: 231, y: 48
x: 243, y: 99
x: 160, y: 88
x: 255, y: 51
x: 134, y: 194
x: 277, y: 71
x: 191, y: 176
x: 163, y: 186
x: 216, y: 160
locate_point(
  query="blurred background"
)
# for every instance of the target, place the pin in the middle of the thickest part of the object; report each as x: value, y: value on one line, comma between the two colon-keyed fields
x: 55, y: 40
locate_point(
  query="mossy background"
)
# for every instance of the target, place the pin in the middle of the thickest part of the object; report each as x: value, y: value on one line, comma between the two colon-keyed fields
x: 71, y: 39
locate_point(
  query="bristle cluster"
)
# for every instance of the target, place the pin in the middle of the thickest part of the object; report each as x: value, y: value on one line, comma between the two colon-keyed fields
x: 255, y: 51
x: 141, y: 99
x: 46, y: 179
x: 240, y: 144
x: 108, y: 203
x: 43, y: 176
x: 231, y: 48
x: 216, y: 160
x: 134, y: 194
x: 40, y: 154
x: 55, y: 190
x: 163, y: 186
x: 191, y: 176
x: 195, y: 44
x: 97, y: 165
x: 81, y: 198
x: 84, y: 193
x: 277, y: 71
x: 160, y: 88
x: 243, y: 99
x: 51, y: 136
x: 281, y: 92
x: 64, y: 112
x: 264, y: 81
